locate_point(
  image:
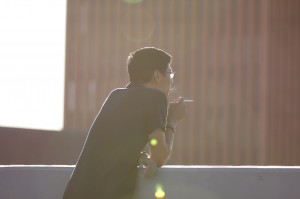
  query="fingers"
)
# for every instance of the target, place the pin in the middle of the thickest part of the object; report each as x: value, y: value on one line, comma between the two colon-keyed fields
x: 151, y: 170
x: 150, y: 173
x: 177, y: 109
x: 179, y: 100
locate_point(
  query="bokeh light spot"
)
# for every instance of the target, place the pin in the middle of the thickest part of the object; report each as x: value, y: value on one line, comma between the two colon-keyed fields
x: 159, y: 192
x: 153, y: 142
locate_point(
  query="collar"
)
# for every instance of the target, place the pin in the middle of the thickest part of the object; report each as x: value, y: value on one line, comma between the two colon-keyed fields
x: 134, y: 85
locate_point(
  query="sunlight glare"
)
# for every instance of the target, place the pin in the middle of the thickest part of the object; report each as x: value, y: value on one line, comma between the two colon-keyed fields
x: 32, y: 59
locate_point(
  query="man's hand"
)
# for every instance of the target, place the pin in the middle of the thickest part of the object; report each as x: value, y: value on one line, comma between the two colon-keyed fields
x: 150, y: 166
x: 151, y: 169
x: 176, y: 112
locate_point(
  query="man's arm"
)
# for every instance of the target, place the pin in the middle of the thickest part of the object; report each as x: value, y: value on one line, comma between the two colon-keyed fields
x: 160, y: 142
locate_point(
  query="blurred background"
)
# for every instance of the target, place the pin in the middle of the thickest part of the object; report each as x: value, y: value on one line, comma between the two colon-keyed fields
x: 238, y: 59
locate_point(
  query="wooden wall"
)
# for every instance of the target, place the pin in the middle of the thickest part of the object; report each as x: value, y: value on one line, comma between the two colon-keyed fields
x: 283, y: 81
x: 236, y: 58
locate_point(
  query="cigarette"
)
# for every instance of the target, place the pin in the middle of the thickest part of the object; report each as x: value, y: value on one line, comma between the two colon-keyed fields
x: 188, y: 100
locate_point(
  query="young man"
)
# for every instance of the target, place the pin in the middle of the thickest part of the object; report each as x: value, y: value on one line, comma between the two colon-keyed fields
x: 129, y: 119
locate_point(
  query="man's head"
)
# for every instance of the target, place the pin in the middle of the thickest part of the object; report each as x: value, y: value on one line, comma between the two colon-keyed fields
x: 150, y: 66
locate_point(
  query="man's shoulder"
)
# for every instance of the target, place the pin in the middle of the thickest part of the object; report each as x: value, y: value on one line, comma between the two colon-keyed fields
x: 138, y: 91
x: 140, y: 95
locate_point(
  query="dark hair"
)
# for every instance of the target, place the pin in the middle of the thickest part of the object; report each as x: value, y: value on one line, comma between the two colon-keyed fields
x: 143, y: 62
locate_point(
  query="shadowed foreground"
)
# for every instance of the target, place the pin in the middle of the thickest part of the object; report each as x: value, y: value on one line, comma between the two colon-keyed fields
x: 176, y: 182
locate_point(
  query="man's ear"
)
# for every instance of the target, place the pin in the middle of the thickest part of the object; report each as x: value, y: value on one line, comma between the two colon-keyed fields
x: 157, y: 75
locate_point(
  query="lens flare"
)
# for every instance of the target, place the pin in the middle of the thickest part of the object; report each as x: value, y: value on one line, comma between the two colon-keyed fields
x: 159, y: 192
x: 153, y: 142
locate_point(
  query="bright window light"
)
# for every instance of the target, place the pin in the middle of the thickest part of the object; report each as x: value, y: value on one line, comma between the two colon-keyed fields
x: 32, y: 63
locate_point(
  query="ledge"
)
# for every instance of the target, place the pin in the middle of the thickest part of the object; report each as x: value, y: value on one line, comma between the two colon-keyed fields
x: 182, y: 182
